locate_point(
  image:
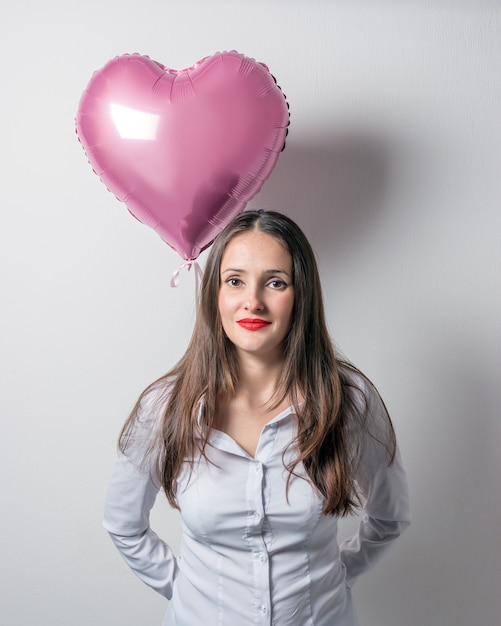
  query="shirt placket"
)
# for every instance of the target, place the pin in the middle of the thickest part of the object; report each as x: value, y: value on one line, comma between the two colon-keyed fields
x: 255, y: 540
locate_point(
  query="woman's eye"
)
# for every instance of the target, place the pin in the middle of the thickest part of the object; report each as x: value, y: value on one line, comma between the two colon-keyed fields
x: 234, y: 282
x: 277, y: 284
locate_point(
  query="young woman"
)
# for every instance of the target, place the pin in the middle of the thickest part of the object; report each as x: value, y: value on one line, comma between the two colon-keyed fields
x: 262, y: 438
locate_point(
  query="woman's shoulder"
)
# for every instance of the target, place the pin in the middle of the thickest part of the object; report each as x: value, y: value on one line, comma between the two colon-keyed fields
x: 155, y: 396
x: 354, y: 381
x: 145, y: 420
x: 364, y: 397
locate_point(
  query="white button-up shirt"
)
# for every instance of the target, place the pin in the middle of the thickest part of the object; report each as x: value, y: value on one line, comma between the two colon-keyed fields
x: 250, y: 553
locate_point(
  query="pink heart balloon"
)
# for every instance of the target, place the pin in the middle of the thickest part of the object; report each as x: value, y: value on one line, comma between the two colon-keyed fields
x: 185, y: 150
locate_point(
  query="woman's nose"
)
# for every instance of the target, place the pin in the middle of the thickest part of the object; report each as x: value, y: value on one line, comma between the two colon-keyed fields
x: 253, y: 300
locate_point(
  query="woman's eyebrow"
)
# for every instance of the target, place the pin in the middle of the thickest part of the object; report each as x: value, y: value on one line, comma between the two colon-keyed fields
x: 277, y: 271
x: 236, y: 270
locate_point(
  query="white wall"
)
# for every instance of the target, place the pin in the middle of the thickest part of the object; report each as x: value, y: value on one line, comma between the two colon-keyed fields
x: 393, y: 169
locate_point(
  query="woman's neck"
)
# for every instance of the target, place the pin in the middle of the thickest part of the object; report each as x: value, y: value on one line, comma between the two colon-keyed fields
x: 258, y: 380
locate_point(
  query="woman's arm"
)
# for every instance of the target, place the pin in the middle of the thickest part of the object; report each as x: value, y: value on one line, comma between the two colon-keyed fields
x: 384, y: 488
x: 131, y: 495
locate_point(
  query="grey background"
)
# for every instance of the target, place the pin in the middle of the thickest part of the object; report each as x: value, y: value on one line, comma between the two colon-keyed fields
x: 392, y: 168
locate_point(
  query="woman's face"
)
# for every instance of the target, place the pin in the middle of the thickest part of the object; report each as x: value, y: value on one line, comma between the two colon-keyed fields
x: 256, y: 294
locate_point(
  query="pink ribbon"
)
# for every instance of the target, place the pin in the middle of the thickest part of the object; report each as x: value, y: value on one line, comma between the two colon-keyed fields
x: 174, y: 281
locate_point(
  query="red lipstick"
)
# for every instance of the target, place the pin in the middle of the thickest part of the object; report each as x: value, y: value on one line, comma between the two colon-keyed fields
x: 252, y: 323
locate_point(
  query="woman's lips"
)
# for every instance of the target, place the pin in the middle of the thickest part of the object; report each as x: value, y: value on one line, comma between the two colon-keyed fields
x: 253, y: 324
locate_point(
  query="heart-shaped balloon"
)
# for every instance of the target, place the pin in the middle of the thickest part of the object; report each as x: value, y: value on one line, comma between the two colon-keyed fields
x: 184, y: 150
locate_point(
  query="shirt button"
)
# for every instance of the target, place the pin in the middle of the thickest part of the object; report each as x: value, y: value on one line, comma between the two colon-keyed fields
x: 261, y: 557
x: 257, y: 467
x: 257, y: 516
x: 262, y: 609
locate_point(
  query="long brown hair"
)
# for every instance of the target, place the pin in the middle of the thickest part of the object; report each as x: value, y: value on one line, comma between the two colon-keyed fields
x: 330, y: 423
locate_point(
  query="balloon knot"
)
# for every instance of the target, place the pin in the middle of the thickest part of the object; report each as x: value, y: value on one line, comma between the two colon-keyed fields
x: 174, y: 281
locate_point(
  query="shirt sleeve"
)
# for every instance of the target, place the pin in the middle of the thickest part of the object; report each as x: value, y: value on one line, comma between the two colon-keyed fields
x: 386, y: 513
x: 131, y: 495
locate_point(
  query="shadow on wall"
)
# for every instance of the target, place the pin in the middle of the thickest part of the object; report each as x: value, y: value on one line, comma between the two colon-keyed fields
x: 455, y: 466
x: 335, y: 190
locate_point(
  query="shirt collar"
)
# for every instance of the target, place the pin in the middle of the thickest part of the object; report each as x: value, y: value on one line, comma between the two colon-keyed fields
x: 278, y: 418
